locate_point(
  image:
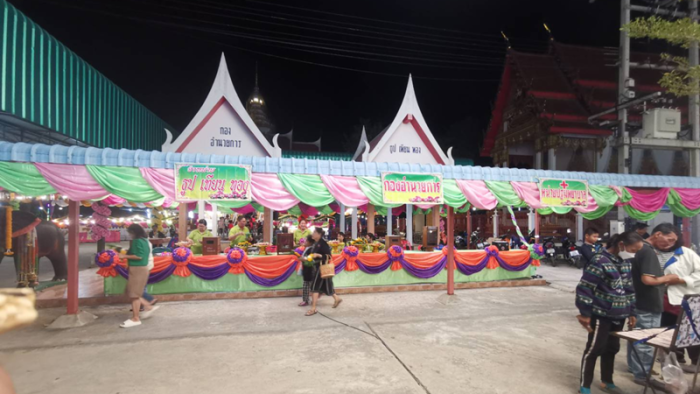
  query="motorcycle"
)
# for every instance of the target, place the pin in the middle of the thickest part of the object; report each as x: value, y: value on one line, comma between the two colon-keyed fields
x: 573, y: 256
x: 549, y: 251
x: 460, y: 242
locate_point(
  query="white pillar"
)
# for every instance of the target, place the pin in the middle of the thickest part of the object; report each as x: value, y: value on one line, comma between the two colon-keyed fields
x: 409, y: 223
x: 530, y: 220
x: 353, y: 225
x: 214, y: 226
x: 579, y: 227
x: 505, y: 164
x: 388, y: 221
x: 551, y: 159
x: 342, y: 218
x: 201, y: 209
x: 495, y: 223
x: 538, y: 160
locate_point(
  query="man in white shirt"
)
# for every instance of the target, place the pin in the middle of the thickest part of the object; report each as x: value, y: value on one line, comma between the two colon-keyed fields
x: 675, y: 259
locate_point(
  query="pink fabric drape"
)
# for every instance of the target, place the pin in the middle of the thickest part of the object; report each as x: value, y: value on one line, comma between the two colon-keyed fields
x: 269, y: 192
x: 592, y: 205
x: 72, y: 181
x: 244, y: 210
x: 690, y: 198
x: 345, y: 189
x: 648, y: 202
x: 478, y: 194
x: 114, y: 200
x: 528, y: 192
x: 161, y: 180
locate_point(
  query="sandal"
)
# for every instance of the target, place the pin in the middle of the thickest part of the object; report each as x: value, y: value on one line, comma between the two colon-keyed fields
x: 311, y: 312
x: 335, y: 305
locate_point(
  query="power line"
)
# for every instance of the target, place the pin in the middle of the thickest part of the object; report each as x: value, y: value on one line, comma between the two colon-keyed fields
x: 477, y: 47
x: 361, y: 18
x: 354, y: 25
x: 273, y: 41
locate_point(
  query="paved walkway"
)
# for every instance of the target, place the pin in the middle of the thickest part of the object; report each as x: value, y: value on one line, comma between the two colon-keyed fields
x: 508, y: 340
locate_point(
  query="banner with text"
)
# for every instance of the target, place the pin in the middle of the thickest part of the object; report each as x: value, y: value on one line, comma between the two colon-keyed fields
x: 400, y: 188
x: 194, y: 182
x: 563, y: 193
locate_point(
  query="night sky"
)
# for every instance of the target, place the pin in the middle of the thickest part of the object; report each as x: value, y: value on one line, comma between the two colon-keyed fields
x: 165, y: 54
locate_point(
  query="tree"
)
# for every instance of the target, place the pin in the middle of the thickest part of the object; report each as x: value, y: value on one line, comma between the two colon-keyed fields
x: 682, y: 80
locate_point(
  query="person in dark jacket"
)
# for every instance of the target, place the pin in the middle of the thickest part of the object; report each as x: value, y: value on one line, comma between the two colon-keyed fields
x: 588, y: 250
x: 321, y: 252
x: 307, y: 272
x: 605, y: 298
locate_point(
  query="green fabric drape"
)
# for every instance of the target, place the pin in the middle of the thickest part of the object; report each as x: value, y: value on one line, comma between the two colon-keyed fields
x: 24, y: 179
x: 452, y: 194
x: 229, y: 204
x: 675, y: 203
x: 309, y: 189
x: 372, y: 188
x: 504, y: 193
x: 604, y: 196
x: 124, y: 182
x: 639, y: 215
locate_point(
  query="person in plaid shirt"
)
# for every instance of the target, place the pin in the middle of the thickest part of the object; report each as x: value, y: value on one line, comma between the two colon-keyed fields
x: 605, y: 298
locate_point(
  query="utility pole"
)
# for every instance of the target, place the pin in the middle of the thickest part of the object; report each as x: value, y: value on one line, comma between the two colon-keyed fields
x: 623, y: 149
x: 694, y: 116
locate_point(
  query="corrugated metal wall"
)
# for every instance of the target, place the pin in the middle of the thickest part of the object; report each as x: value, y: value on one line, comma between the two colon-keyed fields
x: 44, y: 82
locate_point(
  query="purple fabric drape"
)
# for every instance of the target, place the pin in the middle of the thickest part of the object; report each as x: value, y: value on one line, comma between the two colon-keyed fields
x: 373, y: 270
x: 509, y: 267
x: 472, y: 269
x: 152, y: 278
x: 424, y: 273
x: 209, y: 273
x: 272, y: 282
x: 340, y: 267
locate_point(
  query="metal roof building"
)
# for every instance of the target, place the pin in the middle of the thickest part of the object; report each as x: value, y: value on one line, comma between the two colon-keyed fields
x: 39, y: 153
x: 49, y: 94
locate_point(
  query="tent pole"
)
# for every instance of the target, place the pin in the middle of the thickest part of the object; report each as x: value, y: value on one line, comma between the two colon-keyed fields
x: 73, y: 255
x: 450, y: 250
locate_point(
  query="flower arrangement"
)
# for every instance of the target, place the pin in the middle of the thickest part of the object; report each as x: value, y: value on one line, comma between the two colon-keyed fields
x: 299, y: 251
x: 263, y: 247
x: 102, y: 223
x: 536, y: 251
x: 105, y: 258
x: 395, y: 253
x: 351, y: 251
x: 235, y: 255
x: 361, y: 243
x: 377, y: 246
x: 335, y: 246
x: 182, y: 255
x: 244, y: 245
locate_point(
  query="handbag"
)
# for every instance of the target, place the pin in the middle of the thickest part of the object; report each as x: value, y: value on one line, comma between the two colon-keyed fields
x: 327, y: 269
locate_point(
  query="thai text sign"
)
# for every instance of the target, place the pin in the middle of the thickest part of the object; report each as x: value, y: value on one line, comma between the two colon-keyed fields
x: 563, y: 193
x: 194, y: 182
x: 400, y: 188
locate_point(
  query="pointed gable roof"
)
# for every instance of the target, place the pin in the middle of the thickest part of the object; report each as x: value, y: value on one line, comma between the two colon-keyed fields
x: 409, y: 113
x: 222, y: 104
x: 361, y: 146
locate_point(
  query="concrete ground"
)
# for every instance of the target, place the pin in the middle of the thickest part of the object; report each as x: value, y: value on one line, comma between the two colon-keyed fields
x: 507, y: 340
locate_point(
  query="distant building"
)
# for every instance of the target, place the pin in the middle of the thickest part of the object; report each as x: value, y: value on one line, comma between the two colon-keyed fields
x: 540, y: 117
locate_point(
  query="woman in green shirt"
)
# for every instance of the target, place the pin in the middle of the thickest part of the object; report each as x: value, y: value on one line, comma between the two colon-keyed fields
x: 139, y: 256
x: 195, y: 238
x: 301, y: 233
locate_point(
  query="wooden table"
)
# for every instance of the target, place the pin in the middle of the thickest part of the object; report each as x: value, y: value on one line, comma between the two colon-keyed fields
x: 663, y: 340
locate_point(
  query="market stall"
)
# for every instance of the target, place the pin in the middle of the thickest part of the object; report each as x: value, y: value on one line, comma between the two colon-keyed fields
x: 287, y: 184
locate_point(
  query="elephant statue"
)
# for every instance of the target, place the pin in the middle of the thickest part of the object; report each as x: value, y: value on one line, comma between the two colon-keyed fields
x: 50, y: 240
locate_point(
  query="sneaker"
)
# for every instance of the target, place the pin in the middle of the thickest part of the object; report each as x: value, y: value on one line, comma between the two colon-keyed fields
x: 148, y: 314
x: 584, y: 390
x: 130, y: 323
x: 611, y: 388
x: 688, y: 368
